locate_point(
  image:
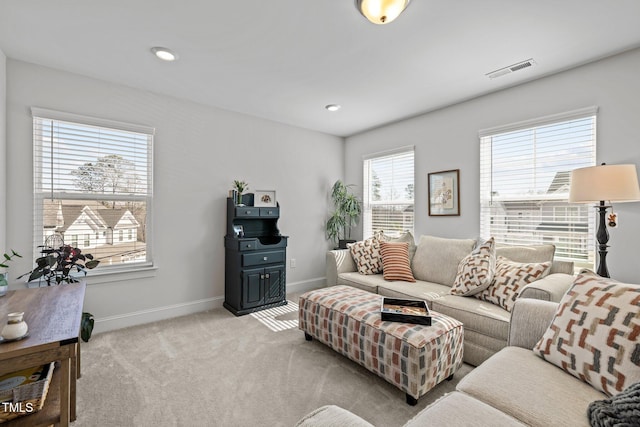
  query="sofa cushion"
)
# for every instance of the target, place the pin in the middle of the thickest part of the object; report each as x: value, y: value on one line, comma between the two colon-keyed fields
x: 421, y: 290
x: 356, y: 280
x: 479, y: 316
x: 458, y: 409
x: 524, y: 386
x: 395, y: 261
x: 594, y: 335
x: 404, y: 237
x: 510, y: 279
x: 436, y: 259
x: 332, y: 416
x: 366, y: 254
x: 475, y: 271
x: 531, y: 253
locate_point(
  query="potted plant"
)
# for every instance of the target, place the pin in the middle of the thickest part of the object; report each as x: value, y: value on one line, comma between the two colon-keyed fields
x: 347, y: 210
x: 4, y: 276
x: 56, y: 266
x: 240, y: 186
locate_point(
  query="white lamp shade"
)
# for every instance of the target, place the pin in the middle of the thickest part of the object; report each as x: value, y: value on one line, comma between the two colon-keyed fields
x: 381, y: 11
x: 613, y: 183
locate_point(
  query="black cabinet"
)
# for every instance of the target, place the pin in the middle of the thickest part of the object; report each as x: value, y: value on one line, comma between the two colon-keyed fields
x: 255, y: 260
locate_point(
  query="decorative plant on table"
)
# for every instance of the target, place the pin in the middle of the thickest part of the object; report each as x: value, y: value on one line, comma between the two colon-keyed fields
x: 4, y: 284
x: 56, y: 266
x: 347, y: 210
x: 240, y: 186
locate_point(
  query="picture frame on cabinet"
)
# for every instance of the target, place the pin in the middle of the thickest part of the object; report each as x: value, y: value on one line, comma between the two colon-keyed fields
x: 266, y: 198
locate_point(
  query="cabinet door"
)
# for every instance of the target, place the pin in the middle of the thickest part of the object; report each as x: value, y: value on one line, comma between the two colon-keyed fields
x: 252, y: 287
x: 274, y: 284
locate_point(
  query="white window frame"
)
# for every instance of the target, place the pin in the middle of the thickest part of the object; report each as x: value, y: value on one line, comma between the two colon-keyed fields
x: 367, y: 199
x: 104, y: 273
x: 488, y: 196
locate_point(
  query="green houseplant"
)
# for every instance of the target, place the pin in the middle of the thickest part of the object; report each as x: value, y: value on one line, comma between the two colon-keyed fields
x: 347, y: 211
x: 56, y: 266
x: 4, y: 284
x: 240, y: 187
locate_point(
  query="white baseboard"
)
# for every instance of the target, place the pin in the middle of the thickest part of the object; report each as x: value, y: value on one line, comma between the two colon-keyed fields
x: 155, y: 314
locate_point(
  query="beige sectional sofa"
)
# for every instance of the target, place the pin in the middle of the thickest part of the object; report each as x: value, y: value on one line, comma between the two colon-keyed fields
x: 515, y: 387
x: 434, y: 262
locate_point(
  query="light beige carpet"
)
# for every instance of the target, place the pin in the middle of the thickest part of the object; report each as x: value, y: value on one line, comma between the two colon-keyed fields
x: 215, y: 369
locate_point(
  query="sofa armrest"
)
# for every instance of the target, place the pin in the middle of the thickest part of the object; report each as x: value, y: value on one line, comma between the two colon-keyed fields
x: 332, y: 416
x: 549, y: 288
x: 338, y: 261
x: 530, y: 318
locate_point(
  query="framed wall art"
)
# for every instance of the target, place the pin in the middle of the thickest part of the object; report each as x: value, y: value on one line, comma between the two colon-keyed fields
x: 264, y: 198
x: 444, y: 193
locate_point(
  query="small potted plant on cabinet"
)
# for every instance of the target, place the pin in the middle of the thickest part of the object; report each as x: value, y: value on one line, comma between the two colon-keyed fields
x: 347, y: 210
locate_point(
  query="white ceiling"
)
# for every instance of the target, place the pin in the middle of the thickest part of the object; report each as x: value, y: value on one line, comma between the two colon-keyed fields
x: 284, y: 60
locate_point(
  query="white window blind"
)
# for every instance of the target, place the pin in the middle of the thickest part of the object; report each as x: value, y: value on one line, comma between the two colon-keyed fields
x: 525, y: 174
x: 388, y: 192
x: 93, y: 187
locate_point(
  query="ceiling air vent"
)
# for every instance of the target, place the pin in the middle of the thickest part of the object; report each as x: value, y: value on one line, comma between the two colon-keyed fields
x: 511, y: 68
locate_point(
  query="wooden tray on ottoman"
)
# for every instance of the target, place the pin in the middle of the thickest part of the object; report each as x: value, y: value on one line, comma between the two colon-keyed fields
x: 406, y: 311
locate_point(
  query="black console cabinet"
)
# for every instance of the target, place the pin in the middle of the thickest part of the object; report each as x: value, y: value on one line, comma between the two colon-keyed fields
x: 255, y: 263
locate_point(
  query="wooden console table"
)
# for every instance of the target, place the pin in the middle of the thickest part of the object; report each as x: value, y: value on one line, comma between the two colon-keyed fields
x: 53, y: 314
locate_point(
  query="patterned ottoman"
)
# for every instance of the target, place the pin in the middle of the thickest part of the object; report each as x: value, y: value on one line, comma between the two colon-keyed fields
x: 414, y: 358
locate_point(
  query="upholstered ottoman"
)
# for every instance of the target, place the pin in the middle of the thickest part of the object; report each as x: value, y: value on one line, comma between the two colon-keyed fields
x: 414, y: 358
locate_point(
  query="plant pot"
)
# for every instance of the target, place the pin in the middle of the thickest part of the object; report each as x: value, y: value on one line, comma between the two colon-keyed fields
x: 86, y: 326
x: 4, y: 285
x: 342, y: 243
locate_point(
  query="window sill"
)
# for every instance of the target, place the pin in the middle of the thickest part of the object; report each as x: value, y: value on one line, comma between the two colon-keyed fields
x: 98, y: 276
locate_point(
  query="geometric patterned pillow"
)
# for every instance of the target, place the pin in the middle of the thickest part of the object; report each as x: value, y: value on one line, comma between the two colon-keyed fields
x: 595, y: 333
x: 395, y: 260
x: 475, y: 271
x: 509, y: 280
x: 366, y: 254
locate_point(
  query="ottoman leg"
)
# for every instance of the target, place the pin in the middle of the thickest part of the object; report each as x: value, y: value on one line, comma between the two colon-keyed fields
x: 411, y: 400
x: 310, y: 338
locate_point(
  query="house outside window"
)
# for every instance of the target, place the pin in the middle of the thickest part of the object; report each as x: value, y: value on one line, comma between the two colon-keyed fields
x: 525, y: 171
x: 90, y: 176
x: 388, y: 196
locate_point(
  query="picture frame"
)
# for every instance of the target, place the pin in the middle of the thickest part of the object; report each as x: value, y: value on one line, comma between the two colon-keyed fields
x: 444, y: 193
x: 266, y: 198
x: 238, y: 230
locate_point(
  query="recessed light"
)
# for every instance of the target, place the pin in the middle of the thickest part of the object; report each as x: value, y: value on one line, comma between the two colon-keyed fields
x: 333, y: 107
x: 164, y: 53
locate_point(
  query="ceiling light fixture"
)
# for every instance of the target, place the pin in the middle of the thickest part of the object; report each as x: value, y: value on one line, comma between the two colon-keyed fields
x: 381, y: 11
x: 333, y: 107
x: 164, y: 53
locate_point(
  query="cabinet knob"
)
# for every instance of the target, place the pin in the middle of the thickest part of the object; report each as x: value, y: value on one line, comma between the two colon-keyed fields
x: 270, y: 212
x: 248, y: 245
x: 262, y: 276
x: 247, y: 212
x: 265, y: 258
x: 266, y: 275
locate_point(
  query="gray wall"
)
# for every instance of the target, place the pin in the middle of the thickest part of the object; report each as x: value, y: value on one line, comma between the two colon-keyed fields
x: 198, y: 153
x: 3, y: 151
x: 448, y: 139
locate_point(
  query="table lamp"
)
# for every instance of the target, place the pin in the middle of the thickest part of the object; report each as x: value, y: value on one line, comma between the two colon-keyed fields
x: 597, y: 184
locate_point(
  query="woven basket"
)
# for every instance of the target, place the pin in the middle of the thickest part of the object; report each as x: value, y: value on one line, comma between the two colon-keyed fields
x: 26, y: 399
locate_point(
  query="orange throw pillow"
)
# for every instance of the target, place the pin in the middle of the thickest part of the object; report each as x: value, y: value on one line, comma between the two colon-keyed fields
x: 395, y: 261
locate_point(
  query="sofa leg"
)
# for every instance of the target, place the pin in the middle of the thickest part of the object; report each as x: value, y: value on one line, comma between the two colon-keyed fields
x: 450, y: 377
x: 411, y: 400
x: 310, y: 338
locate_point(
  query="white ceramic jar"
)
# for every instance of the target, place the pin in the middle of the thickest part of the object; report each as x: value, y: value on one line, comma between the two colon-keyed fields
x: 16, y: 327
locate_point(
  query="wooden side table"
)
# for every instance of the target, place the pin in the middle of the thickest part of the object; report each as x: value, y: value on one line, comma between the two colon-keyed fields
x: 53, y: 314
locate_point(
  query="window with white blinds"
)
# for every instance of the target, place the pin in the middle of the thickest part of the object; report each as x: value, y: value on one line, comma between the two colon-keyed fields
x: 525, y: 172
x: 93, y: 187
x: 388, y: 192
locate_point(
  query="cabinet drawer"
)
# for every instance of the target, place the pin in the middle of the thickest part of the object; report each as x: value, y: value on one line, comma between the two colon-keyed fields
x: 273, y: 212
x: 262, y: 258
x: 247, y: 211
x: 247, y: 245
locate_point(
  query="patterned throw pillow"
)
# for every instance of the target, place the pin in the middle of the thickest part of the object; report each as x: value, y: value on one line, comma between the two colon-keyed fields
x: 475, y: 271
x: 366, y: 254
x: 509, y: 280
x: 395, y: 261
x: 594, y: 335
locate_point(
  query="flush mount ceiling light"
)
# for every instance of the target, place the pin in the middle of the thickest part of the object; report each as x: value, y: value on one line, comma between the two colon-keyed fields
x: 381, y: 11
x: 164, y: 53
x: 333, y: 107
